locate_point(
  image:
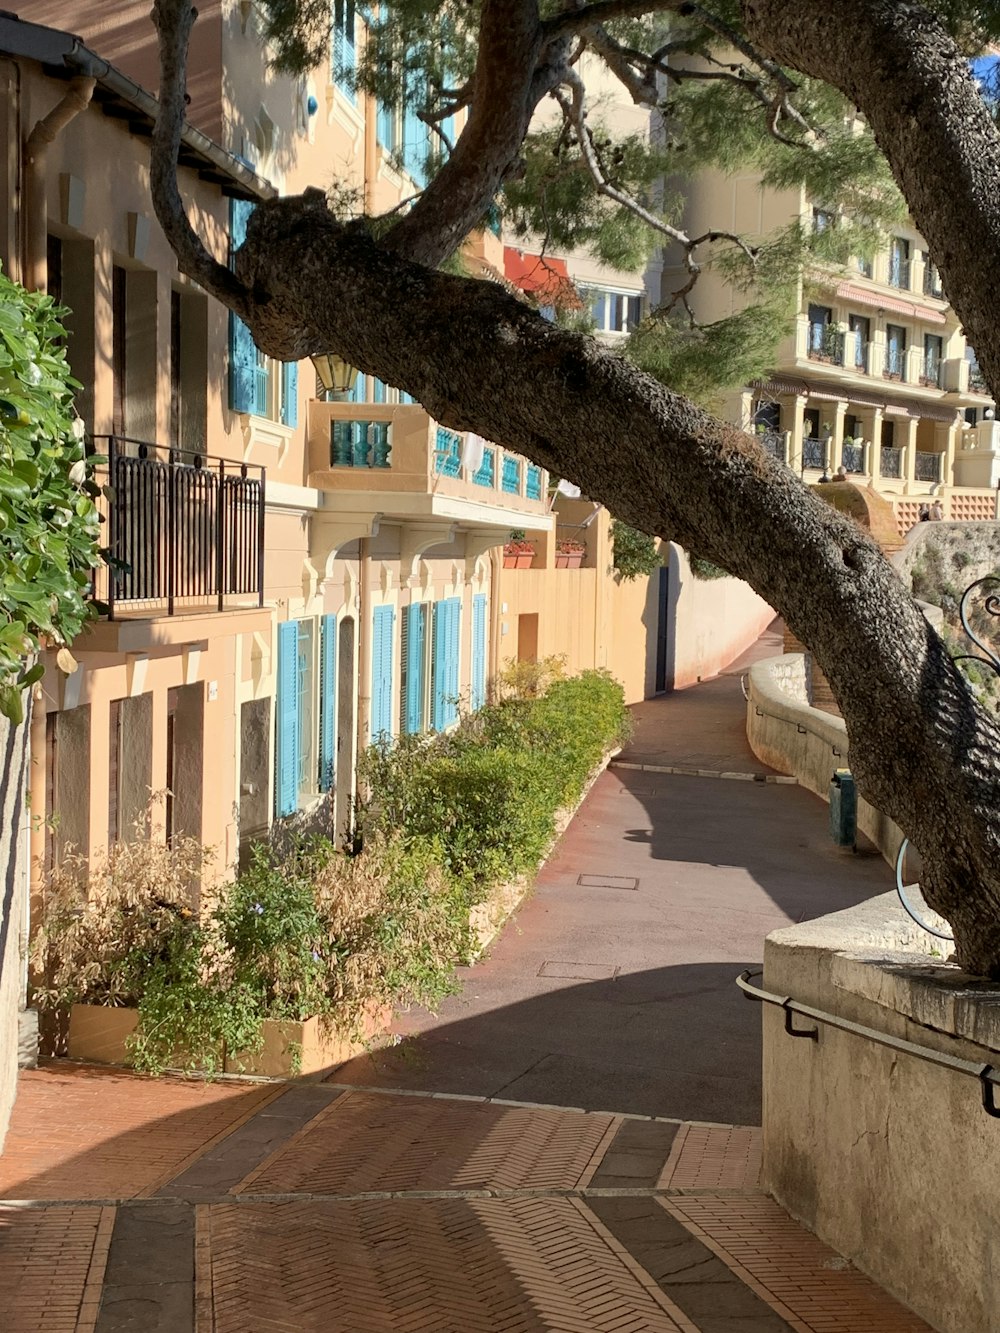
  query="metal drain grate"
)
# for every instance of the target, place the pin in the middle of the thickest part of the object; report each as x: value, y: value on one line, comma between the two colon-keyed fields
x: 579, y: 971
x: 608, y: 882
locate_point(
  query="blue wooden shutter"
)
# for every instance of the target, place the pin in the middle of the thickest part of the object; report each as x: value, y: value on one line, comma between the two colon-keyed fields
x: 439, y: 655
x: 344, y: 55
x: 478, y: 692
x: 454, y: 651
x: 381, y: 709
x: 244, y: 391
x: 385, y: 127
x: 415, y: 656
x: 415, y: 132
x: 290, y: 393
x: 327, y: 697
x: 286, y: 786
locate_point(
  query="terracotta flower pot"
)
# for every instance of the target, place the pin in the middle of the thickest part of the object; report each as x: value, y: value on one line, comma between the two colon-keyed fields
x: 569, y: 559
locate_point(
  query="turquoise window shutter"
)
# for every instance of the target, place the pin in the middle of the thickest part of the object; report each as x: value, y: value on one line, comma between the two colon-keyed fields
x: 415, y: 133
x: 385, y: 127
x: 344, y: 50
x: 290, y: 393
x: 439, y: 654
x: 478, y: 693
x: 243, y: 379
x: 286, y: 786
x: 454, y: 651
x: 327, y: 699
x: 381, y: 709
x: 415, y: 657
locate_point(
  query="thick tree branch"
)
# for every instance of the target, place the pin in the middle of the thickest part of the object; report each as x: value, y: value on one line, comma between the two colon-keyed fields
x: 512, y: 74
x: 174, y: 20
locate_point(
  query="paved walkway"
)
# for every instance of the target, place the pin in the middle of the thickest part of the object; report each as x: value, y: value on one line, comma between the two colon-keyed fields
x: 425, y: 1190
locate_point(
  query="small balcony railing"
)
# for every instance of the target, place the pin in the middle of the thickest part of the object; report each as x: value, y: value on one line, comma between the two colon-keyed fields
x: 775, y: 442
x: 899, y: 272
x: 890, y: 461
x: 977, y: 380
x: 826, y: 343
x: 813, y: 452
x: 932, y: 282
x: 185, y: 531
x: 360, y: 444
x: 895, y: 362
x: 852, y: 456
x: 928, y: 466
x: 930, y: 372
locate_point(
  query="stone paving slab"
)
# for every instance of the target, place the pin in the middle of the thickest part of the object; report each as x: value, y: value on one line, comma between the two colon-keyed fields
x: 324, y: 1209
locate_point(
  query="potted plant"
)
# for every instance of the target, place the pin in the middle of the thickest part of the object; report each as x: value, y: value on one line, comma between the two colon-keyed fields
x: 569, y: 553
x: 518, y: 553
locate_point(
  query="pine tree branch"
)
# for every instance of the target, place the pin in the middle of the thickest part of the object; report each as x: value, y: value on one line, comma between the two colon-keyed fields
x: 174, y: 20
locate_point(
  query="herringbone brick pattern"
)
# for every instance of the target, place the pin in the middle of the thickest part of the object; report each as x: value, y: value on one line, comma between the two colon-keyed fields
x: 816, y: 1290
x: 422, y: 1266
x: 367, y: 1141
x: 45, y: 1259
x: 88, y: 1135
x: 713, y: 1157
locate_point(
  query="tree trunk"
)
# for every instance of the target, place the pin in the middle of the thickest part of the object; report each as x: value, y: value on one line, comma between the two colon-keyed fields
x: 922, y: 751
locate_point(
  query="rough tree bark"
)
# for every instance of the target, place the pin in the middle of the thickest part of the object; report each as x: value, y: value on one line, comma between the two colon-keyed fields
x: 921, y: 749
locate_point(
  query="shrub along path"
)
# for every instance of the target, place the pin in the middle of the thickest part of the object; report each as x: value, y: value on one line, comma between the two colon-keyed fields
x: 612, y: 988
x: 173, y: 1206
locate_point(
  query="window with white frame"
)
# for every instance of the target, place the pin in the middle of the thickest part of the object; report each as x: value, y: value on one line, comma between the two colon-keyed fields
x: 614, y: 312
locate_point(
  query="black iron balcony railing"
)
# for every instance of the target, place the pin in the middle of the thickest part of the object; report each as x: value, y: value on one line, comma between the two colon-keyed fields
x: 826, y: 343
x: 928, y: 466
x: 895, y: 362
x: 853, y: 457
x: 775, y: 442
x: 185, y: 531
x: 977, y: 380
x: 932, y: 281
x: 813, y: 452
x: 890, y: 461
x: 930, y: 372
x: 899, y: 272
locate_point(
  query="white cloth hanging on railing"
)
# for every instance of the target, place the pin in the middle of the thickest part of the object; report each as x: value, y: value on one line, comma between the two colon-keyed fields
x: 472, y: 451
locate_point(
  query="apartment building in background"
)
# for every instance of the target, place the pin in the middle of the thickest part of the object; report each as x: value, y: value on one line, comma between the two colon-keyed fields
x: 876, y: 376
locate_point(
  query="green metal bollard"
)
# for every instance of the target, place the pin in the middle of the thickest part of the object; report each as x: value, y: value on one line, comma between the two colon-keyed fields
x: 843, y: 808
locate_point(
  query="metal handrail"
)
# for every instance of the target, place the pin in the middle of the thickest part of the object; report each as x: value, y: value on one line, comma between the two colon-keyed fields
x: 988, y: 1075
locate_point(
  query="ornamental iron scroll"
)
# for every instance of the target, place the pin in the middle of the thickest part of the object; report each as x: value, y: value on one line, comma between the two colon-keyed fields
x: 910, y: 893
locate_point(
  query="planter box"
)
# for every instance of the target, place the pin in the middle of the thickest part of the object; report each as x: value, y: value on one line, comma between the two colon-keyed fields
x: 308, y: 1047
x: 98, y: 1034
x: 569, y: 559
x: 523, y: 561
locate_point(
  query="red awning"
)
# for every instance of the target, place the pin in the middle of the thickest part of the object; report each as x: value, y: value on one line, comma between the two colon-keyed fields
x: 542, y: 277
x: 863, y: 296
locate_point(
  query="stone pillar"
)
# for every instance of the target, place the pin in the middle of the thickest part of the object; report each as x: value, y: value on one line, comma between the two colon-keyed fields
x: 946, y: 438
x: 797, y: 405
x: 910, y: 454
x: 836, y: 444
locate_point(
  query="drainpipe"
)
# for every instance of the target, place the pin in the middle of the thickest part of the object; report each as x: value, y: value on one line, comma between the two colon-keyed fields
x: 76, y: 99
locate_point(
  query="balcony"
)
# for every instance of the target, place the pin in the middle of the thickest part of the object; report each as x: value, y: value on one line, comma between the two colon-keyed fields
x: 890, y: 462
x: 775, y: 442
x: 977, y: 380
x: 928, y: 466
x: 185, y: 531
x: 931, y: 376
x: 826, y: 343
x: 813, y: 452
x: 852, y: 456
x: 397, y: 461
x: 894, y: 366
x: 932, y: 282
x: 899, y: 272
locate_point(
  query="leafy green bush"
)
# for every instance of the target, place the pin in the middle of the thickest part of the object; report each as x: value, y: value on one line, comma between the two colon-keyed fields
x: 488, y: 792
x: 633, y: 553
x: 48, y: 521
x: 704, y: 569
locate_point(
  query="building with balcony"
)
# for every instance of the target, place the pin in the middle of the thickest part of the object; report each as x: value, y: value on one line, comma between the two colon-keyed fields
x: 875, y: 377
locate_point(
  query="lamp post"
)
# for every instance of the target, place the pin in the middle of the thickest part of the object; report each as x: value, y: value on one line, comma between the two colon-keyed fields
x: 335, y: 375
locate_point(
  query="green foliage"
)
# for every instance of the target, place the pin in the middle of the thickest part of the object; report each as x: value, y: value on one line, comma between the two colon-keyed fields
x: 485, y: 796
x: 633, y: 553
x: 48, y: 521
x: 704, y: 569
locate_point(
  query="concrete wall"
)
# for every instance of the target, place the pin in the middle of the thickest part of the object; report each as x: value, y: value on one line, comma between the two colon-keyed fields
x: 712, y: 621
x: 891, y: 1160
x: 785, y: 731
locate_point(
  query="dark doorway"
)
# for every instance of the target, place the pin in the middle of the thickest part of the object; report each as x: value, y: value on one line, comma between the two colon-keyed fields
x: 662, y: 682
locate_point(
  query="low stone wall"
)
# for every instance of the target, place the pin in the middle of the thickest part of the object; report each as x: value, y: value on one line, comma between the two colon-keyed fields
x: 785, y: 731
x: 891, y: 1160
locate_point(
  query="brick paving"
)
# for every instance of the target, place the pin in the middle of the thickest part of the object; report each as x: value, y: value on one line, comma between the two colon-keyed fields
x: 329, y: 1209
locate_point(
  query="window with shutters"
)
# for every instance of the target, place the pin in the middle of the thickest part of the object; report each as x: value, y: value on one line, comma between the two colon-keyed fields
x: 478, y: 684
x: 305, y: 683
x: 412, y: 670
x: 383, y: 631
x: 445, y: 662
x: 257, y: 384
x: 344, y: 53
x: 327, y: 701
x: 286, y: 749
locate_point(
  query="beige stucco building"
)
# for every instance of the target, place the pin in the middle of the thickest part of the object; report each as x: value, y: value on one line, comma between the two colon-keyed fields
x: 875, y: 377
